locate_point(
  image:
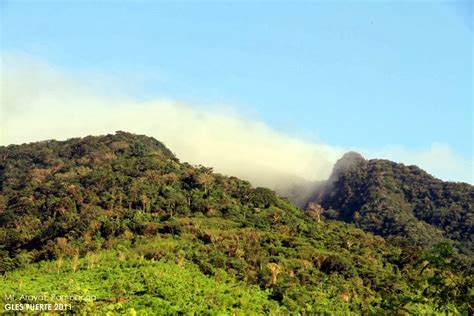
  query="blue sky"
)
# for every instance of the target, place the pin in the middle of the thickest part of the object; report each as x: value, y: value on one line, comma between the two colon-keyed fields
x: 353, y: 74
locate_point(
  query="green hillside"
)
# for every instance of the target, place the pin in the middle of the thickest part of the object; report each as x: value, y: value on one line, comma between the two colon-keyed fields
x: 122, y: 281
x: 119, y: 217
x: 392, y: 199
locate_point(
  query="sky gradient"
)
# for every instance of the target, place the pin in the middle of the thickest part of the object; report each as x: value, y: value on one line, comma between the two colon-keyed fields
x: 354, y: 75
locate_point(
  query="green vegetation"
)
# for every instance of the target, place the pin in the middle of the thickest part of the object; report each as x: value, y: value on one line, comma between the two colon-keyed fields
x: 392, y: 199
x: 123, y: 219
x: 124, y: 282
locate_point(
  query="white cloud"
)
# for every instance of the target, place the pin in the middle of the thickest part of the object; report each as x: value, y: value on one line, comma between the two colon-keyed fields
x: 40, y: 102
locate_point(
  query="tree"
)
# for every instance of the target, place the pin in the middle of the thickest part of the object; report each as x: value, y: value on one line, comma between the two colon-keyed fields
x: 75, y: 262
x: 315, y: 210
x: 275, y: 269
x: 204, y: 179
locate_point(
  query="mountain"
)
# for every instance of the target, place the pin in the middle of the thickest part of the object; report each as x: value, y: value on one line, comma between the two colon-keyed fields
x: 120, y: 222
x: 391, y: 199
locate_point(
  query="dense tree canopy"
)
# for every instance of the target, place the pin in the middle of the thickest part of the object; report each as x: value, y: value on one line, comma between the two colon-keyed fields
x: 123, y: 203
x: 392, y: 199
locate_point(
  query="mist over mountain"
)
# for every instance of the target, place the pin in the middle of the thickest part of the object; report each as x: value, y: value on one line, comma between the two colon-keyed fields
x: 269, y: 158
x: 164, y: 235
x: 56, y: 103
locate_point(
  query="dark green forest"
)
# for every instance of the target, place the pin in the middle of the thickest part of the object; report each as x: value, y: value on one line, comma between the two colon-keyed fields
x: 120, y: 218
x: 391, y: 199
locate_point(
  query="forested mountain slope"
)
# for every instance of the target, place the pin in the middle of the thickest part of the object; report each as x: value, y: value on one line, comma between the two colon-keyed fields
x: 123, y: 209
x: 391, y: 199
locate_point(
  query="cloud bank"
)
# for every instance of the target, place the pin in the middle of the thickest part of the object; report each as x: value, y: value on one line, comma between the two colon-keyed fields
x: 39, y: 101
